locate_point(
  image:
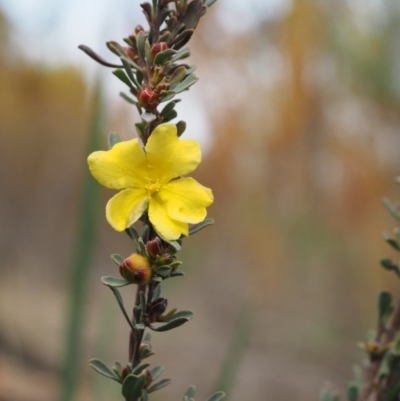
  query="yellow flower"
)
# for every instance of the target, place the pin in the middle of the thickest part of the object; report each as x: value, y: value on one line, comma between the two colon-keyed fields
x: 150, y: 181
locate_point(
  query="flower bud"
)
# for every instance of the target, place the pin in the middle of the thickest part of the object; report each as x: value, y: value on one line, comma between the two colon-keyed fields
x: 130, y: 52
x: 125, y: 372
x: 138, y: 29
x: 157, y: 48
x: 136, y: 269
x: 148, y: 377
x: 159, y: 306
x: 148, y: 99
x: 155, y: 247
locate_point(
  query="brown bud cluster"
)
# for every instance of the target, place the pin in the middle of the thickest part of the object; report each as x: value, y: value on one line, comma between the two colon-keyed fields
x: 159, y: 306
x: 136, y: 269
x: 159, y: 250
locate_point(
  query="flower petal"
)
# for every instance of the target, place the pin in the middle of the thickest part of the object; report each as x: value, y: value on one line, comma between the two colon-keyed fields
x: 168, y: 156
x: 125, y: 208
x: 168, y: 228
x: 186, y: 200
x: 123, y: 166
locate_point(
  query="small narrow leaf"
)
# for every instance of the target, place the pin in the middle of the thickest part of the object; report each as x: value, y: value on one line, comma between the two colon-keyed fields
x: 209, y: 3
x: 177, y: 273
x: 182, y: 54
x: 144, y: 396
x: 392, y: 242
x: 140, y: 368
x: 120, y: 74
x: 159, y: 385
x: 391, y: 208
x: 190, y: 392
x: 132, y: 386
x: 163, y: 56
x: 147, y: 337
x: 121, y: 304
x: 140, y: 40
x: 181, y: 127
x: 142, y: 300
x: 157, y: 292
x: 114, y: 281
x: 117, y: 259
x: 178, y: 75
x: 186, y: 83
x: 217, y: 396
x: 169, y: 107
x: 385, y: 306
x: 163, y: 271
x: 352, y: 392
x: 197, y: 227
x: 168, y: 95
x: 156, y: 372
x: 113, y: 138
x: 128, y: 98
x: 170, y: 325
x: 184, y: 313
x: 100, y: 367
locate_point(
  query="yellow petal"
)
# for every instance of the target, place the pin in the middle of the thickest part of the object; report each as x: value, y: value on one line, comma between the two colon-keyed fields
x: 168, y: 156
x: 123, y: 166
x: 168, y: 228
x: 125, y: 208
x: 186, y: 200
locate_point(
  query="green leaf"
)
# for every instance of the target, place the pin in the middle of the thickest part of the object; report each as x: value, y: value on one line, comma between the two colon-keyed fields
x: 142, y: 300
x: 144, y: 397
x: 133, y: 234
x: 391, y: 241
x: 186, y: 83
x: 114, y: 281
x: 177, y: 76
x: 170, y: 116
x: 159, y: 385
x: 148, y: 117
x: 197, y: 227
x: 120, y: 74
x: 169, y: 107
x: 156, y: 293
x: 390, y: 265
x: 157, y: 279
x: 177, y: 273
x: 391, y: 208
x: 113, y: 138
x: 190, y: 392
x: 163, y: 271
x: 140, y: 127
x: 182, y: 54
x: 128, y: 70
x: 133, y: 386
x: 139, y: 368
x: 146, y: 353
x: 140, y: 40
x: 168, y: 95
x: 156, y: 372
x: 163, y: 56
x: 327, y: 395
x: 352, y: 392
x: 117, y: 259
x: 181, y: 127
x: 193, y: 14
x: 209, y: 3
x: 100, y: 367
x: 170, y: 325
x: 385, y: 306
x: 120, y: 303
x: 184, y: 313
x: 147, y: 51
x: 128, y: 98
x: 217, y: 396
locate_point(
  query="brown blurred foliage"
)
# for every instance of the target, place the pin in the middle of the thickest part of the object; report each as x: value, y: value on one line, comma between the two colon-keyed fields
x: 304, y: 121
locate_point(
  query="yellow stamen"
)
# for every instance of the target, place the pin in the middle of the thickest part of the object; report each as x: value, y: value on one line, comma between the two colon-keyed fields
x: 152, y: 188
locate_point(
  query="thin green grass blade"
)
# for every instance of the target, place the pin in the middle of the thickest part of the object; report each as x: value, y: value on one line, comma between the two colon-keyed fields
x: 236, y: 351
x: 80, y: 265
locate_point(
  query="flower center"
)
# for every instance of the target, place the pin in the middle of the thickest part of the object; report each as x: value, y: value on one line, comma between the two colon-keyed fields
x: 152, y: 188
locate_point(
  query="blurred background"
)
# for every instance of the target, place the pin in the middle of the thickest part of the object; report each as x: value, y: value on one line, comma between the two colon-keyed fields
x: 297, y: 111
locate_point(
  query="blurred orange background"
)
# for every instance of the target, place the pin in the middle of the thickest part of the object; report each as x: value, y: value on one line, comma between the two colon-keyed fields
x: 301, y: 109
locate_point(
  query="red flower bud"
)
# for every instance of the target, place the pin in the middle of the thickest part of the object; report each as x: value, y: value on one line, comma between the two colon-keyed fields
x: 136, y: 269
x: 138, y: 29
x: 148, y: 99
x: 157, y: 48
x: 130, y: 52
